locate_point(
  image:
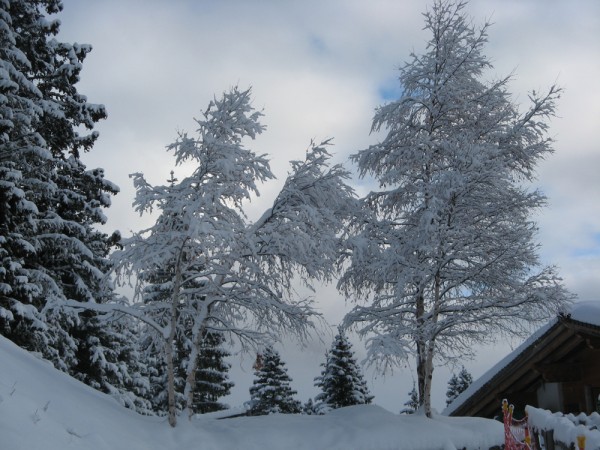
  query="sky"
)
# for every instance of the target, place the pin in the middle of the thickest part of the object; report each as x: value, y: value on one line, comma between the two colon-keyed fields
x: 318, y: 70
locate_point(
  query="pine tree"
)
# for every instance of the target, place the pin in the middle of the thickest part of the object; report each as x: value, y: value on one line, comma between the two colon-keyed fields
x: 458, y: 384
x: 341, y: 381
x: 446, y: 254
x: 212, y: 380
x: 412, y: 405
x: 49, y: 201
x: 271, y: 392
x: 309, y: 408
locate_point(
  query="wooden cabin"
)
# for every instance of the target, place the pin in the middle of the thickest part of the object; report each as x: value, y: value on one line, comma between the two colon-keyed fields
x: 557, y: 368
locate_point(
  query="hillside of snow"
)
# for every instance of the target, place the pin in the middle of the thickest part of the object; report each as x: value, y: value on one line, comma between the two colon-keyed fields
x: 44, y: 409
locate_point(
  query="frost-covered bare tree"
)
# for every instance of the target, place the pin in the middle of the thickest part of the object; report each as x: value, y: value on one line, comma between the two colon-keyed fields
x: 203, y: 266
x: 448, y: 256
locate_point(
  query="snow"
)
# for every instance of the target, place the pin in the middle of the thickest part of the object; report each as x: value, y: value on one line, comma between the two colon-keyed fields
x: 567, y: 428
x: 42, y: 408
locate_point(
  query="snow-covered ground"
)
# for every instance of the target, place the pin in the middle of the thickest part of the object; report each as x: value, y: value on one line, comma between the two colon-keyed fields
x: 44, y: 409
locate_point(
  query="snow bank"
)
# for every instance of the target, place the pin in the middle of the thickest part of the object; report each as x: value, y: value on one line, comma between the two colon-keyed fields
x: 566, y: 427
x: 42, y: 408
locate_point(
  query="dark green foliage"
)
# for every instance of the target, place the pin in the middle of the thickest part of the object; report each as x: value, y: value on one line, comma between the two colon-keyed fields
x: 50, y: 203
x: 309, y: 408
x: 271, y: 392
x: 341, y: 380
x: 212, y: 380
x: 412, y: 404
x: 458, y: 384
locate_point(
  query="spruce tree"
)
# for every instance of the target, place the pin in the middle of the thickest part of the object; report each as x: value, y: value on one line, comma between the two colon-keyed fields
x: 211, y: 382
x: 412, y: 404
x: 457, y: 384
x: 212, y: 379
x: 341, y: 380
x: 309, y: 408
x: 50, y: 202
x: 271, y: 392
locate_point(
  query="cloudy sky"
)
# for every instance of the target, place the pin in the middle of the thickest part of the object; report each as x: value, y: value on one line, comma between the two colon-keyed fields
x: 318, y: 69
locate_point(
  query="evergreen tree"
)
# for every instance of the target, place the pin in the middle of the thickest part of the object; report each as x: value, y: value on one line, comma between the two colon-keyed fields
x: 457, y: 384
x: 50, y: 203
x: 271, y: 392
x: 412, y: 404
x: 341, y: 381
x: 309, y: 408
x: 212, y: 380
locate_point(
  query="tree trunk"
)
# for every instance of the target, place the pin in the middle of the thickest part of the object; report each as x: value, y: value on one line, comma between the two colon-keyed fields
x: 190, y: 380
x: 426, y: 348
x: 421, y: 346
x: 428, y: 376
x: 425, y: 375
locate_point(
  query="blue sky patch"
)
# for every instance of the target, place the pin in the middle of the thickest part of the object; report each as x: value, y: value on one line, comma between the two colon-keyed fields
x: 390, y: 90
x: 318, y: 45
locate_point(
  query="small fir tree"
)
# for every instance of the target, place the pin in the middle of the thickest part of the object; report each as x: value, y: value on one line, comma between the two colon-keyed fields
x: 412, y: 404
x: 309, y: 408
x: 271, y: 392
x: 458, y: 384
x: 341, y: 380
x: 212, y: 379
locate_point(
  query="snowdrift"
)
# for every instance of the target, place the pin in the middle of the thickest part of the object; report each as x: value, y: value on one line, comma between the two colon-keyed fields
x: 44, y: 409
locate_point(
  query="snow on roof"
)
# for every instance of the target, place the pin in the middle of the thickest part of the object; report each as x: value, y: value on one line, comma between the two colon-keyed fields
x: 585, y: 312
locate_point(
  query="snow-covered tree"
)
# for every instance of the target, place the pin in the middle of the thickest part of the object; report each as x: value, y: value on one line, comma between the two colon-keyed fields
x: 212, y: 379
x: 309, y: 408
x: 341, y: 382
x: 270, y: 392
x: 447, y: 256
x: 49, y: 201
x: 203, y: 266
x: 457, y: 384
x: 412, y: 404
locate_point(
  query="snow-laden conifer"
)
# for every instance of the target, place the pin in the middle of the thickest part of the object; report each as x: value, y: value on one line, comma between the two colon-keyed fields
x: 341, y: 382
x: 271, y: 392
x: 457, y: 384
x: 50, y: 203
x: 447, y: 256
x: 412, y: 404
x: 212, y: 377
